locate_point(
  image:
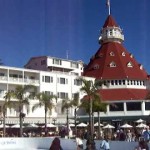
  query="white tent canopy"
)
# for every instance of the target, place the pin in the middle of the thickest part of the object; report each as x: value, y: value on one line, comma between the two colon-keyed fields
x: 32, y: 125
x: 49, y: 125
x: 96, y: 124
x: 82, y: 125
x: 141, y: 125
x: 126, y: 126
x: 2, y: 125
x: 139, y: 121
x: 16, y: 126
x: 108, y: 126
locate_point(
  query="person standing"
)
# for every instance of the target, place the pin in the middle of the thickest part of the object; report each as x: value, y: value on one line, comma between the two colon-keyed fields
x: 79, y: 143
x: 56, y: 144
x: 105, y: 144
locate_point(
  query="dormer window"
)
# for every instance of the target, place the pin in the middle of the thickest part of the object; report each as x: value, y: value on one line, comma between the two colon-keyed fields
x: 112, y: 54
x: 129, y: 64
x: 96, y: 66
x: 131, y: 55
x: 112, y: 64
x: 123, y: 53
x: 141, y: 67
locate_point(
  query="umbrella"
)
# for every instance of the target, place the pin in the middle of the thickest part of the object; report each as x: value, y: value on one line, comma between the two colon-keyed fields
x: 141, y: 125
x: 16, y: 126
x: 6, y: 126
x: 126, y: 126
x: 71, y: 125
x: 96, y: 124
x: 82, y: 125
x: 108, y: 126
x: 139, y: 121
x: 50, y: 125
x: 32, y: 125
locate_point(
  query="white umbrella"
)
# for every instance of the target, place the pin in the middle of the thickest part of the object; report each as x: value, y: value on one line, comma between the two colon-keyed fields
x: 49, y: 125
x: 141, y: 125
x: 108, y: 126
x: 71, y: 125
x: 16, y: 126
x: 139, y: 121
x: 6, y: 126
x: 96, y: 124
x: 32, y: 125
x: 82, y: 125
x: 126, y: 126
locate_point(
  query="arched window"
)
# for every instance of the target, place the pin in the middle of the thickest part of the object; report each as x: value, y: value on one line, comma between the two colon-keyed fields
x: 123, y: 53
x: 112, y: 54
x: 112, y: 64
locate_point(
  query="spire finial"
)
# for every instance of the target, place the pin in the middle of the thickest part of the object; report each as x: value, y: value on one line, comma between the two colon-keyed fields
x: 108, y: 5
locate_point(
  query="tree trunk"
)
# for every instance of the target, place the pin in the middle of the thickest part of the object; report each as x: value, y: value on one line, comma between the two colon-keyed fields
x: 99, y: 128
x: 4, y: 127
x: 91, y: 120
x: 46, y: 132
x: 75, y: 121
x: 67, y: 123
x: 20, y: 120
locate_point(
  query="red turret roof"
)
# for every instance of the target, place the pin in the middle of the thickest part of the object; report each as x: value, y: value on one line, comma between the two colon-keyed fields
x: 114, y: 53
x: 110, y: 22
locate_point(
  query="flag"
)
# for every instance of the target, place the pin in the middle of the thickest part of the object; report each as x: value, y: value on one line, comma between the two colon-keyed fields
x: 108, y: 3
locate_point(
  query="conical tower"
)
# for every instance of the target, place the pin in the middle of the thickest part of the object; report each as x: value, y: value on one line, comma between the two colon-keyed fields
x: 116, y: 66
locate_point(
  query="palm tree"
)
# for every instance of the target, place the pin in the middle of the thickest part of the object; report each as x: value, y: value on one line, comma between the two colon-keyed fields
x: 90, y: 89
x: 46, y: 101
x: 98, y: 107
x: 22, y: 100
x: 7, y: 104
x: 75, y: 103
x: 66, y: 104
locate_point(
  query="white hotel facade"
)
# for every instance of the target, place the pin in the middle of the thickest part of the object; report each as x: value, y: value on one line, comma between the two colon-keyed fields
x: 127, y: 80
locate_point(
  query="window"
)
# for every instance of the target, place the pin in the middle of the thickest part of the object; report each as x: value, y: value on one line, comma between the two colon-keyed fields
x: 147, y: 105
x: 77, y: 82
x: 133, y: 106
x: 116, y: 107
x: 57, y: 61
x: 62, y: 95
x: 2, y: 74
x: 96, y: 66
x: 123, y: 53
x: 43, y: 62
x: 129, y: 64
x: 74, y: 65
x: 112, y: 64
x: 62, y: 81
x: 47, y: 79
x: 112, y: 54
x: 13, y: 75
x: 48, y: 93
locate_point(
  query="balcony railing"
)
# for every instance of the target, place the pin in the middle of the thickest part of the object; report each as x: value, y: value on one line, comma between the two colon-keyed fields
x: 19, y: 80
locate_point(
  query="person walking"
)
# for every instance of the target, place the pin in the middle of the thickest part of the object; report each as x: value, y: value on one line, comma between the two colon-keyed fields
x: 105, y: 144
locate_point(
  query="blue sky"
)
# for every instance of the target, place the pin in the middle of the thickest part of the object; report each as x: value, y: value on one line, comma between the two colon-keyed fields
x: 30, y: 28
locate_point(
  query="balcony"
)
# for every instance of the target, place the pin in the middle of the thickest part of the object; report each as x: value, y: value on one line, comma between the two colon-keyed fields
x: 19, y: 80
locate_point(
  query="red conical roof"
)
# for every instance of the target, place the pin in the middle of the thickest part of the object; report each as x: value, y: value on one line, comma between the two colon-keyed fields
x: 112, y: 61
x: 110, y: 22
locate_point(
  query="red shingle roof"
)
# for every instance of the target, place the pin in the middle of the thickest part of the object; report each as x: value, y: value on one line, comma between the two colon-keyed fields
x: 114, y: 53
x: 110, y: 22
x: 123, y: 94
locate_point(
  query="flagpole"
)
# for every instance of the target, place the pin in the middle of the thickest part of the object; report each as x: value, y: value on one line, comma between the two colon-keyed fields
x: 108, y: 5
